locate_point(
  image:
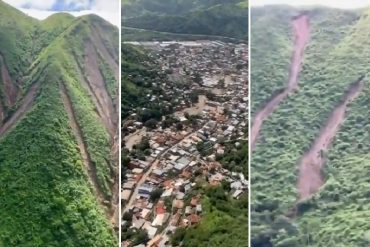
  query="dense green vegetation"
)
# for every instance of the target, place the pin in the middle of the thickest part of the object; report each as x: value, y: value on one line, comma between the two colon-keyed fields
x: 45, y: 200
x: 225, y: 221
x: 141, y: 73
x: 202, y: 17
x: 46, y: 197
x: 235, y: 157
x: 335, y: 58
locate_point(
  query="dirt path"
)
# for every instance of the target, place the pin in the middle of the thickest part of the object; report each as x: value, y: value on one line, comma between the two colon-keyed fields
x: 90, y: 167
x: 97, y: 84
x: 10, y: 89
x: 301, y: 28
x: 21, y: 111
x: 310, y: 177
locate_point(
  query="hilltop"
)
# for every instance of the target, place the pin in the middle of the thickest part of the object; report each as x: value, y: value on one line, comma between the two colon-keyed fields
x: 58, y: 130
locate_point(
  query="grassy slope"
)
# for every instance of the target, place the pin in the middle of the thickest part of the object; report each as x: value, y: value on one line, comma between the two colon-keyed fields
x: 51, y: 203
x: 335, y: 58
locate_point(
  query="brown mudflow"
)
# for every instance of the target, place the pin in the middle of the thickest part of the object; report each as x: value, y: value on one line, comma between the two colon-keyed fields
x: 97, y: 40
x: 10, y: 89
x: 98, y: 87
x: 310, y: 177
x: 90, y: 167
x: 26, y: 105
x: 301, y: 28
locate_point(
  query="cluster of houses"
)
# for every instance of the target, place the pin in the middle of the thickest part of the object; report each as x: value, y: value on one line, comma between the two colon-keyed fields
x: 161, y: 191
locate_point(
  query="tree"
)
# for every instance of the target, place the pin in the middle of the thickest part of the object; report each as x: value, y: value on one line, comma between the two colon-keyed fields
x: 151, y: 123
x: 156, y: 194
x: 179, y: 126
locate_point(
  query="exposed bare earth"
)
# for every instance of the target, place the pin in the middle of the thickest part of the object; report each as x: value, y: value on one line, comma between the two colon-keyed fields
x: 102, y: 114
x: 310, y: 177
x: 134, y: 138
x: 10, y: 89
x: 105, y: 53
x: 1, y: 114
x: 26, y: 105
x: 97, y: 84
x: 90, y: 167
x: 301, y: 28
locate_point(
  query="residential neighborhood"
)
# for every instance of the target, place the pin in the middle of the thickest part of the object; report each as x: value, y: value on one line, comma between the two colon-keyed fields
x: 170, y: 162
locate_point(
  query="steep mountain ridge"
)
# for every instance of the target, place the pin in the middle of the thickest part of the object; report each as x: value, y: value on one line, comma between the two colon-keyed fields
x: 64, y: 172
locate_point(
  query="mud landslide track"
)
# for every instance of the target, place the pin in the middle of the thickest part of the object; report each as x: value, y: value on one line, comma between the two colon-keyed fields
x: 10, y: 90
x: 22, y: 110
x: 301, y: 29
x: 97, y: 84
x: 90, y: 167
x: 310, y: 177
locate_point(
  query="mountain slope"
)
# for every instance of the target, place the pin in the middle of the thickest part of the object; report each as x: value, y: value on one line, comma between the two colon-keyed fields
x: 318, y: 114
x: 213, y: 18
x: 58, y: 159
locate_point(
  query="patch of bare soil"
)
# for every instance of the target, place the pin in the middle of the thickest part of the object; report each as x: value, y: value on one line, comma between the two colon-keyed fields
x: 104, y: 52
x: 10, y: 89
x: 301, y: 28
x: 97, y: 84
x: 1, y: 114
x: 26, y: 105
x: 99, y: 108
x: 310, y: 177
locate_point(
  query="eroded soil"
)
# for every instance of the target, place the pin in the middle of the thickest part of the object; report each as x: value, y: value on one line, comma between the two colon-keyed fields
x: 301, y: 30
x: 25, y: 106
x: 98, y: 86
x: 10, y: 89
x: 310, y: 176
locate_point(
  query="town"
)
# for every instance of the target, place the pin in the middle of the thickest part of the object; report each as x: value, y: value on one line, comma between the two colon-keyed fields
x: 170, y: 162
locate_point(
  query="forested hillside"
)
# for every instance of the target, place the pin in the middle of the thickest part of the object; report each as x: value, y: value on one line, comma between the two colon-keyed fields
x: 58, y: 130
x: 201, y: 17
x: 309, y: 163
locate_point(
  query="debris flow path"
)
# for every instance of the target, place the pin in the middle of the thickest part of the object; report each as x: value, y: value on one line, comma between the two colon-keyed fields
x: 301, y: 28
x: 310, y: 176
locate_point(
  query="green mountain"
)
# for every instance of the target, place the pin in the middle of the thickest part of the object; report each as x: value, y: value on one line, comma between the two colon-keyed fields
x: 309, y: 164
x: 58, y: 130
x: 202, y: 17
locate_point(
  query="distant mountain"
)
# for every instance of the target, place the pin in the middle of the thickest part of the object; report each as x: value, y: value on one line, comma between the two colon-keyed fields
x: 202, y: 17
x: 58, y: 130
x: 135, y: 8
x: 309, y: 167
